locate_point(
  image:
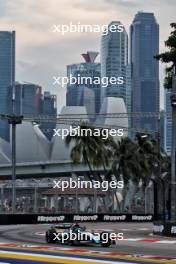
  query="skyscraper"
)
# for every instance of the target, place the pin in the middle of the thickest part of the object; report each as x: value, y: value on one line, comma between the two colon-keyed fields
x: 82, y: 96
x: 7, y: 76
x: 29, y: 101
x: 114, y: 63
x: 27, y: 98
x: 86, y: 92
x: 48, y: 108
x: 144, y: 34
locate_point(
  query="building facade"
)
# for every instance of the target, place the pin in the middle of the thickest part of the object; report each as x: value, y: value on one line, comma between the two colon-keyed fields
x: 114, y: 63
x: 86, y: 91
x: 144, y: 34
x: 7, y: 77
x: 27, y: 99
x: 48, y: 108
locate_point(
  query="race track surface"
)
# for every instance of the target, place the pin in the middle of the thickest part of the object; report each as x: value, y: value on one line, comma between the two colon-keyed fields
x: 26, y: 244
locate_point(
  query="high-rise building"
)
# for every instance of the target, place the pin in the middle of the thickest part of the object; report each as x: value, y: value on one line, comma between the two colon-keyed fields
x: 114, y: 63
x: 7, y: 77
x: 128, y: 96
x: 49, y: 104
x: 29, y: 101
x: 161, y: 122
x: 82, y: 96
x: 168, y: 123
x: 128, y: 88
x: 48, y: 108
x: 27, y: 98
x: 79, y: 93
x: 144, y: 34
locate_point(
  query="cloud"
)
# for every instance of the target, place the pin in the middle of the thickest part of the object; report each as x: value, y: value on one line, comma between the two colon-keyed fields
x: 138, y: 3
x: 126, y: 3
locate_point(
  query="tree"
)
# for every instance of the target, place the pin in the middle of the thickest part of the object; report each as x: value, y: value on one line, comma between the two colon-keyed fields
x: 169, y: 57
x: 124, y: 164
x: 85, y: 148
x: 128, y: 160
x: 91, y: 150
x: 149, y: 156
x: 137, y: 161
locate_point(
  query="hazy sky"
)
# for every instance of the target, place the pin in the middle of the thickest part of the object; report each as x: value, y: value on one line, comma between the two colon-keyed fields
x: 40, y: 53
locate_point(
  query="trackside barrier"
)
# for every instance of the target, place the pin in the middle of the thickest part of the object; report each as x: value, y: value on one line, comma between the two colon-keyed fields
x: 13, y: 219
x: 164, y: 229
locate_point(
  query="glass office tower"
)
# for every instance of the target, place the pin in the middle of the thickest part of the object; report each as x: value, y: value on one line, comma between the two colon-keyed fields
x: 144, y: 34
x: 27, y: 99
x: 86, y: 93
x: 48, y: 108
x: 7, y: 77
x: 114, y: 63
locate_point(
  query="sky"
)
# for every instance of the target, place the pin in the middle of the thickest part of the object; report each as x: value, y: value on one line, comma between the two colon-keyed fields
x: 42, y: 54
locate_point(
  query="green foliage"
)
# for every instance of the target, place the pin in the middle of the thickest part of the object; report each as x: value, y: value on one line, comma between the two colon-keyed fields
x: 131, y: 160
x: 169, y: 57
x: 93, y: 150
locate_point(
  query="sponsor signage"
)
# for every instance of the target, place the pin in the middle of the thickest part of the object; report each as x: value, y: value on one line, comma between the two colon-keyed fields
x: 173, y: 230
x: 9, y: 219
x: 50, y: 219
x: 142, y: 218
x: 158, y: 228
x: 95, y: 218
x: 166, y: 229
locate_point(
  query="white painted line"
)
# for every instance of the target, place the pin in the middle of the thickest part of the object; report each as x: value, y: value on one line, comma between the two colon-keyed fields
x: 40, y: 233
x: 166, y: 242
x: 108, y: 230
x: 132, y: 239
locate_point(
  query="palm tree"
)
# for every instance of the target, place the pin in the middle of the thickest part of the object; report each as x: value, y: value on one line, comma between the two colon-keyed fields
x: 84, y: 149
x: 169, y: 57
x: 89, y: 149
x: 127, y: 160
x: 125, y: 164
x: 154, y: 163
x: 136, y: 161
x: 104, y: 155
x: 148, y: 158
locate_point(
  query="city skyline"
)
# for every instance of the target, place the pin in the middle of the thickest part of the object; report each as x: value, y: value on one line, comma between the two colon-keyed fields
x: 39, y: 60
